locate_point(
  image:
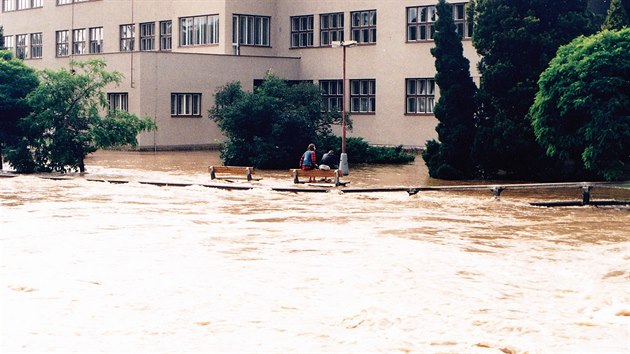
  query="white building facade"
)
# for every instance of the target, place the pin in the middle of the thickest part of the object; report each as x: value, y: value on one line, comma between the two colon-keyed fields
x: 175, y: 54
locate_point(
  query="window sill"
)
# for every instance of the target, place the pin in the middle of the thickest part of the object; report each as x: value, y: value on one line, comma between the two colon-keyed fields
x: 17, y: 10
x: 309, y: 47
x: 363, y: 113
x: 255, y: 45
x: 186, y: 116
x: 193, y: 46
x: 420, y: 114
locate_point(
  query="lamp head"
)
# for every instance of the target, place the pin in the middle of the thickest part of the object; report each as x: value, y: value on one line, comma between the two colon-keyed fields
x: 336, y: 44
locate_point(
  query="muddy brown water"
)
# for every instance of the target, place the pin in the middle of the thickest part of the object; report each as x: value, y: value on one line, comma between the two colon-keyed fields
x: 113, y: 268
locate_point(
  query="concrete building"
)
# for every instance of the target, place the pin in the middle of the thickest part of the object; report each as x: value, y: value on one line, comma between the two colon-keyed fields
x: 175, y: 54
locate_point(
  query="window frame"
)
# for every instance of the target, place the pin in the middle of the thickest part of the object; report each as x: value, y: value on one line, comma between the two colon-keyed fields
x: 417, y: 95
x: 302, y: 31
x: 256, y: 29
x: 330, y: 95
x: 199, y: 30
x: 9, y: 43
x: 62, y: 48
x: 424, y: 29
x: 22, y: 46
x: 37, y: 44
x: 79, y: 41
x: 95, y: 41
x: 366, y: 94
x: 166, y: 38
x: 120, y: 102
x: 147, y: 36
x: 20, y: 5
x: 191, y: 104
x: 328, y: 31
x: 360, y: 26
x: 127, y: 37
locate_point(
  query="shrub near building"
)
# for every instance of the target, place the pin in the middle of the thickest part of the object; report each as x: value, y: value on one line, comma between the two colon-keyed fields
x: 272, y: 126
x: 582, y: 109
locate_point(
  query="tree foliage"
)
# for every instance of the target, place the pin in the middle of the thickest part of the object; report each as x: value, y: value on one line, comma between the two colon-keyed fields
x: 360, y: 152
x: 2, y: 47
x: 516, y: 40
x: 66, y: 123
x: 582, y: 108
x: 270, y: 127
x: 455, y: 110
x: 617, y: 17
x: 16, y: 81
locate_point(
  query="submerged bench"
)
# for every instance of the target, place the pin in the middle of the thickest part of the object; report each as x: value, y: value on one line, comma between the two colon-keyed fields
x: 297, y: 173
x: 232, y: 172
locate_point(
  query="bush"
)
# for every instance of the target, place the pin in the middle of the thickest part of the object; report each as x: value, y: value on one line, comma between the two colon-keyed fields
x: 359, y: 151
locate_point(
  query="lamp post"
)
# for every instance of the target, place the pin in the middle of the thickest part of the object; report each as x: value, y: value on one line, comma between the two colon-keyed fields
x: 343, y: 163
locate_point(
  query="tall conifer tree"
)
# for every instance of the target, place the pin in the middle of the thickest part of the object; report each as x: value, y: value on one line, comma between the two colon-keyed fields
x: 2, y: 38
x: 617, y: 17
x: 450, y: 157
x: 516, y: 40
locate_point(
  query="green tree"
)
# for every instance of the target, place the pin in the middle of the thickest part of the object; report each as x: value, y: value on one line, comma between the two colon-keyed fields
x: 16, y: 81
x: 270, y: 127
x: 67, y: 124
x: 455, y: 110
x: 582, y: 108
x: 617, y: 17
x: 2, y: 47
x: 516, y: 40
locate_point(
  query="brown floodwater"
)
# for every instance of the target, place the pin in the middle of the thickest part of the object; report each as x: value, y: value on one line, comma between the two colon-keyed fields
x: 134, y: 268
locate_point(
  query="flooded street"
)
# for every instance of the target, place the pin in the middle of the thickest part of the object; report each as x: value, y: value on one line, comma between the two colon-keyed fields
x: 133, y: 268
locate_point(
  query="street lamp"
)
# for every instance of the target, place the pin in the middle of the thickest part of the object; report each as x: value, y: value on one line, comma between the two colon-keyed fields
x: 343, y: 163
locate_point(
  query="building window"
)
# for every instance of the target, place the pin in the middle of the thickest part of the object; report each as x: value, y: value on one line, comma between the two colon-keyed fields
x: 8, y: 5
x: 12, y: 5
x: 96, y: 40
x: 21, y: 46
x: 363, y: 96
x: 36, y: 45
x: 78, y: 41
x: 127, y: 42
x: 363, y: 27
x: 62, y: 40
x: 118, y: 101
x: 421, y: 23
x: 332, y: 95
x: 464, y: 28
x: 330, y: 28
x: 8, y: 43
x: 166, y: 35
x: 199, y: 30
x: 185, y: 104
x: 420, y: 95
x: 250, y: 30
x: 147, y: 36
x: 301, y: 31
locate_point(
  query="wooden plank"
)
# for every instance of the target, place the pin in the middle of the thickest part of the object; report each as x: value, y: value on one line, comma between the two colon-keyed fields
x: 113, y: 181
x: 228, y: 186
x: 375, y: 190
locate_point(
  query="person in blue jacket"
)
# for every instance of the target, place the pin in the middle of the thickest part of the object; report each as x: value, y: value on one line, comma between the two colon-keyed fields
x: 308, y: 161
